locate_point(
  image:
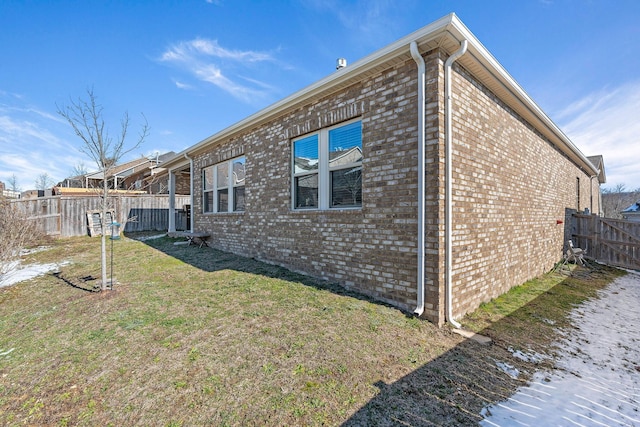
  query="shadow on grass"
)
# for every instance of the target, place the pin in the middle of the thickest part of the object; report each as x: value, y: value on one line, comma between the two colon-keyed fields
x: 453, y: 389
x: 85, y: 282
x: 211, y: 260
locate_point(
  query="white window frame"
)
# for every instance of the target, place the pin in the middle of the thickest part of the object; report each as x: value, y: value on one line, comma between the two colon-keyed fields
x: 323, y: 171
x: 213, y: 191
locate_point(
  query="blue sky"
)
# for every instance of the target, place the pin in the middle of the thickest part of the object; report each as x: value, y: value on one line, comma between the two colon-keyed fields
x: 195, y: 67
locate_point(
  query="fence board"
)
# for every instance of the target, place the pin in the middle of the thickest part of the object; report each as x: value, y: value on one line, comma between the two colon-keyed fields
x: 66, y: 216
x: 610, y: 241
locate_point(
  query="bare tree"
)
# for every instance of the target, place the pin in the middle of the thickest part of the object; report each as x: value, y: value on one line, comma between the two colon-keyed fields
x: 44, y: 181
x: 86, y: 118
x: 79, y: 169
x: 16, y: 233
x: 13, y: 183
x: 616, y: 199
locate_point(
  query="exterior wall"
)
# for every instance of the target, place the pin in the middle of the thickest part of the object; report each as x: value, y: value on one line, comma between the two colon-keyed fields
x: 183, y: 184
x: 372, y: 249
x: 510, y: 186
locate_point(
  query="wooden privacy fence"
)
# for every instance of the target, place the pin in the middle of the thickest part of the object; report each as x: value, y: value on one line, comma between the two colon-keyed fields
x: 609, y: 241
x: 66, y: 216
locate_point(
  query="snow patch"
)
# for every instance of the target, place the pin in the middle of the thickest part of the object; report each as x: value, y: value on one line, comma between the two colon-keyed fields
x: 34, y: 250
x: 531, y: 356
x: 510, y: 370
x: 17, y: 274
x: 597, y: 377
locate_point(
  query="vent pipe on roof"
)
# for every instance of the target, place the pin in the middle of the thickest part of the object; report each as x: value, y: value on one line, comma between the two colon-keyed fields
x: 341, y: 63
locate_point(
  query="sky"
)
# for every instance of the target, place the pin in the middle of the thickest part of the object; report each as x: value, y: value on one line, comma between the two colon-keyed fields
x: 193, y: 68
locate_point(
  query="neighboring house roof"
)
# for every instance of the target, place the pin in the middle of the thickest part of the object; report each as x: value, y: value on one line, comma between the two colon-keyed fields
x: 633, y: 209
x: 598, y: 162
x: 71, y: 191
x: 122, y: 170
x: 134, y: 166
x: 446, y: 33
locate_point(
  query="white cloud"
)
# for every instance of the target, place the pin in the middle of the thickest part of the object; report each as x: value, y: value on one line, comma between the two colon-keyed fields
x: 15, y: 130
x: 212, y: 48
x: 369, y: 21
x: 606, y: 122
x: 209, y: 62
x: 183, y: 86
x: 31, y: 143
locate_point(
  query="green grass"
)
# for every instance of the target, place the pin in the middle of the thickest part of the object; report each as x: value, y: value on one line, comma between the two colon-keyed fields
x: 529, y: 315
x: 200, y: 337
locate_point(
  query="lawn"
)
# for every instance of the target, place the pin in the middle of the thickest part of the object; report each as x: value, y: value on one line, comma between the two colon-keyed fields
x: 195, y: 336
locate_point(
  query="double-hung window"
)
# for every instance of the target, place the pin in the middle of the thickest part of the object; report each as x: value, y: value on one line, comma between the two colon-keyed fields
x: 327, y: 168
x: 223, y: 186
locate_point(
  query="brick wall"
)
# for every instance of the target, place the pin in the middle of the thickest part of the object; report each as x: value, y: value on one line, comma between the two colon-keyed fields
x: 372, y: 249
x: 509, y: 188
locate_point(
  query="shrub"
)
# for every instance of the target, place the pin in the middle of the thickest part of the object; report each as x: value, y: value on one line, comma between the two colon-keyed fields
x: 16, y: 233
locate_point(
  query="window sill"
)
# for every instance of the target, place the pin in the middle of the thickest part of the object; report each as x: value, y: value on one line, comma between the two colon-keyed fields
x: 344, y: 209
x: 224, y: 213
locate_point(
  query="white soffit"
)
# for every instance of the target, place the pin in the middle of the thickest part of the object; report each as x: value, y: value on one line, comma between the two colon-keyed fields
x: 482, y: 65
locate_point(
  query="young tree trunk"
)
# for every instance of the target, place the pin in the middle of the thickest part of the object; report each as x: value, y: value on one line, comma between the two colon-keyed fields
x: 85, y: 117
x: 103, y: 238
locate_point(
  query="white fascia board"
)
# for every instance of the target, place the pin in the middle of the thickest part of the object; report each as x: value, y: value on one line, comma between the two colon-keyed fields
x: 479, y: 53
x: 447, y: 33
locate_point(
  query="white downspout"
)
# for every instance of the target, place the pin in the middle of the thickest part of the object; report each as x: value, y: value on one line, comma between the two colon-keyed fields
x: 448, y: 140
x: 415, y: 53
x: 190, y: 189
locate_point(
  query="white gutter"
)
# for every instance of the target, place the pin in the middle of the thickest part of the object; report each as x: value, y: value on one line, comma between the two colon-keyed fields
x: 415, y: 53
x: 445, y: 33
x: 448, y: 140
x: 186, y: 156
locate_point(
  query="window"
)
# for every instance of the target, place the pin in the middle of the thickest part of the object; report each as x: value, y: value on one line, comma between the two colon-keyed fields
x: 237, y: 183
x: 223, y: 186
x: 305, y: 165
x: 327, y: 168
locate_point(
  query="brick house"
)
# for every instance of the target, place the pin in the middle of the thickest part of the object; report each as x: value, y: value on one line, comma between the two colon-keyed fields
x: 371, y: 178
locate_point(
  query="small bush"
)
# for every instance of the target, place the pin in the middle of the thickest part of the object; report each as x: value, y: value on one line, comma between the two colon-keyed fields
x: 16, y: 233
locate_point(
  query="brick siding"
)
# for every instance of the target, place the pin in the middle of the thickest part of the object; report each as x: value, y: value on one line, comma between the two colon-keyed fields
x: 372, y: 249
x: 509, y: 187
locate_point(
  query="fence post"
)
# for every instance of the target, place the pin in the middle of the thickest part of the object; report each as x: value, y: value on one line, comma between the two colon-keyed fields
x: 596, y: 231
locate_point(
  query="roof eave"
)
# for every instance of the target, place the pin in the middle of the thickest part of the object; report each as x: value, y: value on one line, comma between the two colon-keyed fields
x: 484, y: 66
x: 446, y: 33
x: 401, y: 47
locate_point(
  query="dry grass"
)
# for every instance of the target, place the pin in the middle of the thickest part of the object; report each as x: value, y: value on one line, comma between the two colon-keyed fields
x: 200, y: 337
